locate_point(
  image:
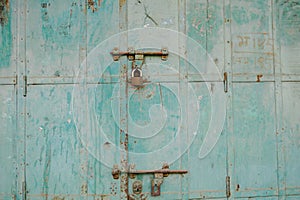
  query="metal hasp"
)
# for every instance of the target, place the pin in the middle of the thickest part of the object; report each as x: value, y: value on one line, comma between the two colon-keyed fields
x: 157, y: 180
x: 156, y: 183
x: 138, y: 54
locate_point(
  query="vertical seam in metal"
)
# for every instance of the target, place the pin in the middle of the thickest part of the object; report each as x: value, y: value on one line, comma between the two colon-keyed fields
x: 183, y: 85
x: 277, y: 96
x: 25, y: 99
x: 123, y: 26
x: 84, y: 163
x: 16, y: 114
x: 229, y: 94
x: 21, y: 100
x: 206, y: 26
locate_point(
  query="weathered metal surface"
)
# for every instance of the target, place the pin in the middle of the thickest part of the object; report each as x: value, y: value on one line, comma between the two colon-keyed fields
x: 66, y: 119
x: 291, y: 138
x: 8, y: 154
x: 254, y: 130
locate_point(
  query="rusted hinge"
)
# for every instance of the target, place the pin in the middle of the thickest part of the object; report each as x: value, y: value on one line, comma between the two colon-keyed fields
x: 228, y: 186
x: 225, y: 81
x: 25, y: 86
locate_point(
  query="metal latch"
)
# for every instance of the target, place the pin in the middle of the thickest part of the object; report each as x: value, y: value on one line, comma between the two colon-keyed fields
x: 158, y: 176
x: 138, y: 54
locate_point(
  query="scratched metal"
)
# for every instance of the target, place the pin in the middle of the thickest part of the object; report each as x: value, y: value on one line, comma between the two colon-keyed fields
x: 43, y: 151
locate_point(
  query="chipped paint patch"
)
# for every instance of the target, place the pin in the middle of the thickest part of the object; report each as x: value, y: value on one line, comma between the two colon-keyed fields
x: 4, y: 12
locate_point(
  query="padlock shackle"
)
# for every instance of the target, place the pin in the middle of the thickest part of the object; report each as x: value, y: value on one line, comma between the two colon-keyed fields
x: 136, y: 69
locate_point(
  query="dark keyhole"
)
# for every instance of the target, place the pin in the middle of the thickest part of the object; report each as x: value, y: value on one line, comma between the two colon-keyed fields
x: 155, y: 188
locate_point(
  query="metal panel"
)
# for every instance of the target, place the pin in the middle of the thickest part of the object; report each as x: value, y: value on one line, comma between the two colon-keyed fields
x: 101, y: 139
x: 291, y: 138
x: 254, y: 140
x: 288, y: 30
x: 252, y: 40
x: 205, y: 25
x: 207, y: 175
x: 52, y: 146
x: 8, y: 38
x: 52, y: 38
x: 8, y: 150
x: 101, y: 24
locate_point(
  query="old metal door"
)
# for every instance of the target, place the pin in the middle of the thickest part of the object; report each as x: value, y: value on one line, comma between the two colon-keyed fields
x: 74, y: 126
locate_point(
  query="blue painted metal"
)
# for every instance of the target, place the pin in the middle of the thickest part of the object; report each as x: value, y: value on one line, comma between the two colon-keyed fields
x: 57, y: 100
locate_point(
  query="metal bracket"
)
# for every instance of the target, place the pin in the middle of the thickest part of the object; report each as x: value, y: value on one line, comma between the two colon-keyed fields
x: 25, y: 86
x: 225, y: 81
x: 138, y: 54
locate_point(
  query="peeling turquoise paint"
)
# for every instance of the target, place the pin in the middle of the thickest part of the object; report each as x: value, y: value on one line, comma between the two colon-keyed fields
x: 6, y: 43
x: 58, y: 26
x: 289, y: 17
x: 197, y: 16
x: 257, y: 14
x: 240, y: 15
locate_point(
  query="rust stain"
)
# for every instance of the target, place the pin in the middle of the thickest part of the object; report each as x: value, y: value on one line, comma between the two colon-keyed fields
x: 126, y: 142
x: 91, y: 5
x: 122, y: 3
x: 258, y: 77
x: 6, y: 3
x: 124, y: 184
x: 4, y: 10
x: 58, y: 198
x: 84, y: 188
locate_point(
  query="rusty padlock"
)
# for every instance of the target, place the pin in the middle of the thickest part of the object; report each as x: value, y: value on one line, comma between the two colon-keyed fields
x: 137, y: 77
